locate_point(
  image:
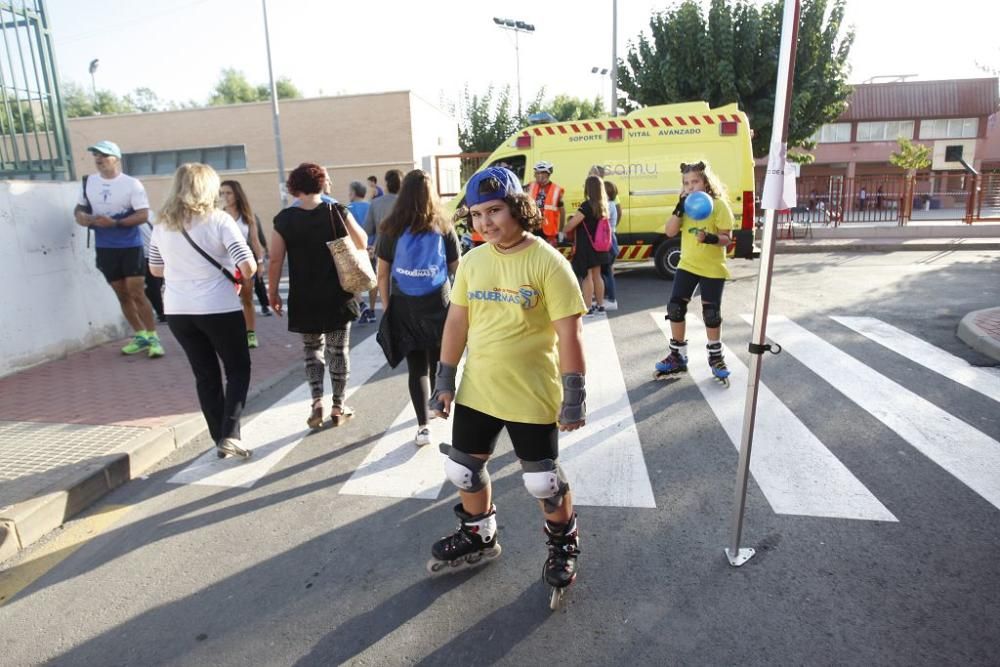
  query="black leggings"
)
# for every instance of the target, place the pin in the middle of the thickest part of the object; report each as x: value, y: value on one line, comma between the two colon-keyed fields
x: 154, y: 292
x: 260, y: 287
x: 422, y: 365
x: 206, y: 339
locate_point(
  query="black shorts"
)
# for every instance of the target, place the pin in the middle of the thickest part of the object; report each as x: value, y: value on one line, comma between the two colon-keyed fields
x: 120, y: 263
x: 685, y: 282
x: 476, y: 432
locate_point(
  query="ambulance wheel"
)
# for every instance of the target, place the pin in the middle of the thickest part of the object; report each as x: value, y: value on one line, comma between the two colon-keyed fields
x: 666, y: 259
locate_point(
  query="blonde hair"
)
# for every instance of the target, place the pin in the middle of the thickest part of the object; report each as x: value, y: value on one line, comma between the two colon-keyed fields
x: 713, y: 186
x: 593, y: 188
x: 193, y: 192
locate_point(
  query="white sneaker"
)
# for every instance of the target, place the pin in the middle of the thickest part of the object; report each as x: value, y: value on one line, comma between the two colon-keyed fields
x: 423, y: 437
x: 610, y: 304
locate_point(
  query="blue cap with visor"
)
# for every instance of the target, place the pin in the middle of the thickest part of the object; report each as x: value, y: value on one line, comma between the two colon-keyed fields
x: 490, y: 184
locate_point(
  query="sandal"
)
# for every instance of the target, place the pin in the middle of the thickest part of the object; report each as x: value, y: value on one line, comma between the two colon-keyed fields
x: 342, y: 418
x: 315, y: 420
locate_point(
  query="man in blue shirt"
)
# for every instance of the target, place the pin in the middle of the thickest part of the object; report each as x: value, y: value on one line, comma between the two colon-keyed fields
x: 359, y: 209
x: 114, y: 205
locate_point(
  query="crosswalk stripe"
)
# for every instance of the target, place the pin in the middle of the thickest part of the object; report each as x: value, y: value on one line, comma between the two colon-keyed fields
x: 396, y: 467
x: 965, y: 452
x: 604, y: 460
x: 921, y: 352
x: 274, y: 432
x: 794, y: 470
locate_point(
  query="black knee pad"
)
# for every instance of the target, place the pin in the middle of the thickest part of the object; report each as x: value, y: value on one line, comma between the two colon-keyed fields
x: 676, y: 309
x: 712, y: 315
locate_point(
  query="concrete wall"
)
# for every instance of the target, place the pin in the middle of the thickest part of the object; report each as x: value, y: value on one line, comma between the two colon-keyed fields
x: 55, y: 300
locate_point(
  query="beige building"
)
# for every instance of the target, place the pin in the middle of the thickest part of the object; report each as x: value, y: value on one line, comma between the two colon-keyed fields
x: 353, y: 136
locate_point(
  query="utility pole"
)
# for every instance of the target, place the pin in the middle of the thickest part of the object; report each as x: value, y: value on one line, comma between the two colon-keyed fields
x: 93, y: 80
x: 274, y: 113
x: 614, y: 57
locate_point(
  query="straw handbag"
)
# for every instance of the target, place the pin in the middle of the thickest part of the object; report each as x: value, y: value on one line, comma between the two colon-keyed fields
x: 354, y: 267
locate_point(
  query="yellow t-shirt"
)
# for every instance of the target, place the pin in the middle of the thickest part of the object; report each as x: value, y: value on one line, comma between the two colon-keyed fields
x: 701, y: 259
x: 512, y: 367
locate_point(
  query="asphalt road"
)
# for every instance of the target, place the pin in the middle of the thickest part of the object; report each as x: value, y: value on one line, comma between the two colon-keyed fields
x: 293, y: 570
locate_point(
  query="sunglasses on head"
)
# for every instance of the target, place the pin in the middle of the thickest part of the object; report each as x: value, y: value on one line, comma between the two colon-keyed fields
x: 692, y: 166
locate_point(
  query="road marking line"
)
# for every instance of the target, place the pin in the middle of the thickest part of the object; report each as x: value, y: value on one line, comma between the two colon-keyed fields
x: 604, y: 460
x: 60, y: 547
x: 796, y: 473
x: 277, y: 430
x: 968, y: 454
x: 396, y: 467
x: 921, y: 352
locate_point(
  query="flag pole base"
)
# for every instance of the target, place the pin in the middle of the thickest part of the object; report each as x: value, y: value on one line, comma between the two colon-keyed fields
x: 741, y: 556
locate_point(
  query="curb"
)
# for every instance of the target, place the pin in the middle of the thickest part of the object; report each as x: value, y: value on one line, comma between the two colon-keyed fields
x: 976, y: 337
x: 25, y: 522
x: 884, y: 245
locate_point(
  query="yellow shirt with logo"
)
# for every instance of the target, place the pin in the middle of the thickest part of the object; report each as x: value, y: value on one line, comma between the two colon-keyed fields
x: 702, y: 259
x: 512, y: 367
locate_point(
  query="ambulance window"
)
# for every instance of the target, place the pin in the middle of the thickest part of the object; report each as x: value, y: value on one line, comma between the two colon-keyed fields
x: 515, y: 163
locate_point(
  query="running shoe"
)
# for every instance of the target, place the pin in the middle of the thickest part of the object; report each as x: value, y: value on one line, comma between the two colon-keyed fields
x: 155, y: 348
x: 252, y: 340
x: 423, y: 437
x: 136, y: 345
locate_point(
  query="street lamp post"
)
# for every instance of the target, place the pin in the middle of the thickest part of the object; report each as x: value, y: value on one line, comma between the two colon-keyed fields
x: 274, y: 113
x: 601, y: 72
x: 93, y: 81
x: 516, y: 27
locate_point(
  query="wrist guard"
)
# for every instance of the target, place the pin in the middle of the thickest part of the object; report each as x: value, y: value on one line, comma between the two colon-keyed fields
x: 574, y: 403
x: 711, y: 239
x: 679, y: 209
x: 444, y: 383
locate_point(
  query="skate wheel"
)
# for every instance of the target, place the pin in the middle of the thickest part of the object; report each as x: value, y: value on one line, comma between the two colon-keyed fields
x: 221, y: 454
x: 435, y: 566
x: 555, y: 600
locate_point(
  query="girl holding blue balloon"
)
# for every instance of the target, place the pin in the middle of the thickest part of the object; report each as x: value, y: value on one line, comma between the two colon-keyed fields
x: 705, y: 221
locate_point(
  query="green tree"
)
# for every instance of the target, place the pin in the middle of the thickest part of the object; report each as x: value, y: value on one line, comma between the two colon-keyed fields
x: 20, y: 117
x: 566, y: 108
x: 233, y: 88
x: 144, y: 99
x: 485, y: 120
x: 78, y: 101
x: 909, y: 157
x: 732, y: 56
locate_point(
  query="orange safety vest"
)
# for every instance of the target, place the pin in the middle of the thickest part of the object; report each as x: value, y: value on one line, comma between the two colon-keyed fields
x: 550, y: 211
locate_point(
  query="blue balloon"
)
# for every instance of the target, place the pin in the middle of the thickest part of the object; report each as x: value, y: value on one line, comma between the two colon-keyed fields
x: 698, y: 205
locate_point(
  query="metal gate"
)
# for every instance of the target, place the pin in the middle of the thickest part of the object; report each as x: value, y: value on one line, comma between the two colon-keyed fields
x: 451, y: 171
x: 33, y: 139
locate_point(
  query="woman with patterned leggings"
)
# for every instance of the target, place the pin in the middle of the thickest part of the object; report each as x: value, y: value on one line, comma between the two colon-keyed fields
x: 317, y: 306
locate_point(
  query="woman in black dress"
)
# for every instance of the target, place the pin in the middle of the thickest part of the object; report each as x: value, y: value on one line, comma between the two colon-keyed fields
x: 587, y: 262
x: 317, y: 306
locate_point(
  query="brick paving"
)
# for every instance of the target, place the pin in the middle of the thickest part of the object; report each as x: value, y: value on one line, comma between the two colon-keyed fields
x: 989, y: 322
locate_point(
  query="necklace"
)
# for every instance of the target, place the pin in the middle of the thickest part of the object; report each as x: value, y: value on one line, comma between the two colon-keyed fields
x: 524, y: 237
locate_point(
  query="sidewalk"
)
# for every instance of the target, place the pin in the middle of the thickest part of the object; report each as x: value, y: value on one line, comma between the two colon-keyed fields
x: 75, y: 428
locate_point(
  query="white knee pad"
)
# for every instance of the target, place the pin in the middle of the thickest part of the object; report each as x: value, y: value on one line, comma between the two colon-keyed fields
x: 464, y: 471
x: 545, y: 480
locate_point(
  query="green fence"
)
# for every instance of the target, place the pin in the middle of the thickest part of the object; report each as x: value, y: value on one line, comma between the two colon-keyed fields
x: 33, y: 139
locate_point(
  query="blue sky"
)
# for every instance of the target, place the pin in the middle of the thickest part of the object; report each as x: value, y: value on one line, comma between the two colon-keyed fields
x: 436, y: 48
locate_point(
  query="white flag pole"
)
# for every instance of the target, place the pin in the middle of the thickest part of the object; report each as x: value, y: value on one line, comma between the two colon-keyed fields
x: 779, y: 193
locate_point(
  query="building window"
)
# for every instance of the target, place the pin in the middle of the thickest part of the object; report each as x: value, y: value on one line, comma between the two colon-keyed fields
x: 164, y: 163
x: 833, y: 133
x: 886, y: 130
x: 949, y: 128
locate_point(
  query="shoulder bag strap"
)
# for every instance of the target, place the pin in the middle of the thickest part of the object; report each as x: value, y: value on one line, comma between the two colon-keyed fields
x: 211, y: 259
x: 333, y: 225
x: 90, y: 209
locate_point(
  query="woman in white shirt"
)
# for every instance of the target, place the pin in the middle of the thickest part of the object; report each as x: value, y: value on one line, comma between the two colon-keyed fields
x: 197, y: 249
x: 235, y: 203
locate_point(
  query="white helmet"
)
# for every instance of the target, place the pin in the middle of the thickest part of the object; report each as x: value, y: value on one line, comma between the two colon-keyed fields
x: 544, y: 166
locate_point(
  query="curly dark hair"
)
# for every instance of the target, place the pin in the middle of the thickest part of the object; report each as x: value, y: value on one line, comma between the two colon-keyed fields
x: 308, y: 179
x: 522, y: 207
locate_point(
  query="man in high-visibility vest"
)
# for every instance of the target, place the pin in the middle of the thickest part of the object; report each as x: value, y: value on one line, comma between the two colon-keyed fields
x: 549, y: 198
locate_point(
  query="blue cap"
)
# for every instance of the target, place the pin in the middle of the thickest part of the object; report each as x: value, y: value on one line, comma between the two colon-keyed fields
x: 106, y: 147
x: 490, y: 184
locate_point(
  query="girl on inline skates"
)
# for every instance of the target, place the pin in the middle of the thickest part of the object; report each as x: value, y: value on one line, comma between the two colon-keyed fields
x: 703, y: 263
x: 516, y: 306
